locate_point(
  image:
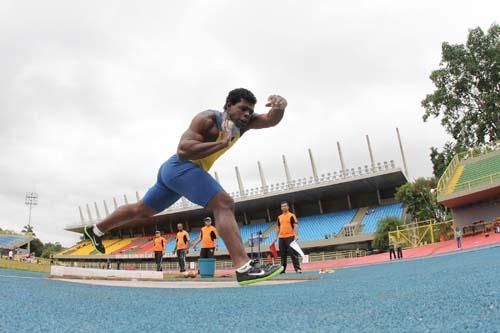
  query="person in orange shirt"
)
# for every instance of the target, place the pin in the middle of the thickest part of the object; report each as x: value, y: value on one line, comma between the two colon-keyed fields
x: 181, y: 246
x: 208, y: 239
x: 158, y: 246
x: 287, y: 229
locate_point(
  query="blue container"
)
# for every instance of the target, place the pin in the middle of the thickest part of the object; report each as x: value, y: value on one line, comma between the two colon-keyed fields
x: 207, y: 267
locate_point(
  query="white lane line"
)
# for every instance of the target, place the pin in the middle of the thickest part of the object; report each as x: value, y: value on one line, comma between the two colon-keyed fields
x: 23, y: 277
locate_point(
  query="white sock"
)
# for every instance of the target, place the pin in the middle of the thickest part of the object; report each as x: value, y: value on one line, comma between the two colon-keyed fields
x: 97, y: 232
x: 245, y: 267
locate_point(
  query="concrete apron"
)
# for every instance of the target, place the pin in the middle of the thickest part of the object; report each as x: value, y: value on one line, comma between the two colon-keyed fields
x: 152, y: 279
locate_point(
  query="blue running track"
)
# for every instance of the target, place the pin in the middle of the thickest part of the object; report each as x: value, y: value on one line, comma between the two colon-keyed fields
x: 450, y: 293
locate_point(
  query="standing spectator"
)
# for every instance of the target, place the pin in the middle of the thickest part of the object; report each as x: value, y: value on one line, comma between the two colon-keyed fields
x: 399, y: 249
x: 391, y: 249
x: 208, y: 239
x: 287, y: 230
x: 181, y: 246
x: 158, y: 248
x: 11, y: 254
x: 458, y: 237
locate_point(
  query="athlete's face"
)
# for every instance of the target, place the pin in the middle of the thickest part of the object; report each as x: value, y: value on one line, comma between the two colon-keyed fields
x: 284, y: 207
x: 179, y: 227
x: 207, y: 223
x: 240, y: 113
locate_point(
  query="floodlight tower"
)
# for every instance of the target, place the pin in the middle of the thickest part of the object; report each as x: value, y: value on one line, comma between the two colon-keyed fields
x: 31, y: 200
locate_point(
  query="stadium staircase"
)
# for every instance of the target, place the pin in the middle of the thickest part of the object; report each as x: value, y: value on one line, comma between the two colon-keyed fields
x: 454, y: 180
x: 355, y: 227
x: 471, y: 169
x: 375, y: 214
x: 270, y: 232
x: 266, y: 228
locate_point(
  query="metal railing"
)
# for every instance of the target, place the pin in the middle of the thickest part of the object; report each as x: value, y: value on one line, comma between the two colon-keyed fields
x: 298, y: 183
x: 486, y: 180
x: 423, y: 233
x: 460, y: 157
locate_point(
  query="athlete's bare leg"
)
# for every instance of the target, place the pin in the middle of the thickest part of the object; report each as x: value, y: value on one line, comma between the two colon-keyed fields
x: 222, y: 206
x: 124, y: 214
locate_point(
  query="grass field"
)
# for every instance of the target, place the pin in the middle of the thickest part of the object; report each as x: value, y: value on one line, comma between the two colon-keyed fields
x: 43, y: 267
x: 450, y: 293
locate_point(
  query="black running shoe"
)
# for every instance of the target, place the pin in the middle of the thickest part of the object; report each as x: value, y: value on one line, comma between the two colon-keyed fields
x: 298, y: 271
x: 257, y: 273
x: 95, y: 240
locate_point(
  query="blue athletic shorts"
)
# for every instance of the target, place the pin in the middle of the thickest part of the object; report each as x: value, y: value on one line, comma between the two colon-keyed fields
x: 178, y: 178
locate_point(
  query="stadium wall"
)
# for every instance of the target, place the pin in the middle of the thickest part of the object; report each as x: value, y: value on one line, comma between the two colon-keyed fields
x: 486, y: 211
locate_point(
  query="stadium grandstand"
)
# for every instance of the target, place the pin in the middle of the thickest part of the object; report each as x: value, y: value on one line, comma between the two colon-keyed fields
x: 470, y: 187
x: 14, y: 242
x: 338, y: 211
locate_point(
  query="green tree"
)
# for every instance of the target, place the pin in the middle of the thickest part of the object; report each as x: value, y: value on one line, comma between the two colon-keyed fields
x: 441, y: 159
x: 36, y: 246
x: 420, y: 199
x: 381, y: 240
x: 467, y: 95
x: 28, y: 229
x: 51, y: 249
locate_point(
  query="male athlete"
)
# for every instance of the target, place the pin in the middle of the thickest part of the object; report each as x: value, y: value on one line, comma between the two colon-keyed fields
x: 210, y: 135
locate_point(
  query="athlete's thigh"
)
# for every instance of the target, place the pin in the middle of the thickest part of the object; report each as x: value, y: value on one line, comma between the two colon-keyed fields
x: 193, y: 182
x: 160, y: 197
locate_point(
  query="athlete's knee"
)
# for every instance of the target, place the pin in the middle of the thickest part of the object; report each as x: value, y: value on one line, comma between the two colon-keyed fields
x: 221, y: 201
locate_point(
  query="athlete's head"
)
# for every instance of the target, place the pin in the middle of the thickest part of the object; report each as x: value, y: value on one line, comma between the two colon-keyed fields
x: 157, y: 233
x: 207, y: 220
x: 239, y: 105
x: 180, y: 227
x: 284, y: 207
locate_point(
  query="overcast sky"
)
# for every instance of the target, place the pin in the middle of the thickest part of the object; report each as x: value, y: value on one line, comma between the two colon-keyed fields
x: 95, y: 94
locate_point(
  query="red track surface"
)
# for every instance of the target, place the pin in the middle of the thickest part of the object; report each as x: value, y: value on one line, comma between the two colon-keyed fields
x: 423, y: 251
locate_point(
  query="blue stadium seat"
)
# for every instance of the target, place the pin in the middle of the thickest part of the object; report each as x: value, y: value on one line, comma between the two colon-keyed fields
x: 10, y: 240
x: 312, y: 228
x: 316, y: 227
x: 375, y: 214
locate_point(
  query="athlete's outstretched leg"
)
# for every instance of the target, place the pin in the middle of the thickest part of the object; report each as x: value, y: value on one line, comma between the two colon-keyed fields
x: 124, y: 214
x: 222, y: 206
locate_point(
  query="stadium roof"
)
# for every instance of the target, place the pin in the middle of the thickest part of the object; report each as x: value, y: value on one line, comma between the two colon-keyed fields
x: 9, y: 242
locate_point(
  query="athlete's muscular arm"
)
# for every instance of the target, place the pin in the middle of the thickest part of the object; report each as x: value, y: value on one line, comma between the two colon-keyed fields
x: 193, y: 146
x: 273, y: 117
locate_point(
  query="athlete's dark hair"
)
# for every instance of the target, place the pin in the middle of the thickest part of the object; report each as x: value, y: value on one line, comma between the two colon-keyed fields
x: 285, y: 202
x: 236, y: 95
